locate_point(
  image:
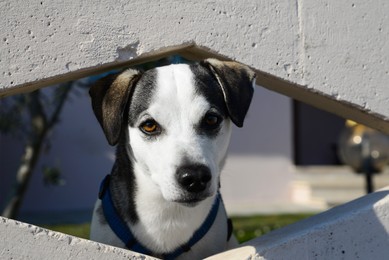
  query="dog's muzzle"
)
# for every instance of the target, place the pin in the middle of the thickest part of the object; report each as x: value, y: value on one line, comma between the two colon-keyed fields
x: 194, y: 179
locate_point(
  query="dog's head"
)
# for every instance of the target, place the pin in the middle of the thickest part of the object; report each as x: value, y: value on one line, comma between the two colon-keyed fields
x: 177, y: 122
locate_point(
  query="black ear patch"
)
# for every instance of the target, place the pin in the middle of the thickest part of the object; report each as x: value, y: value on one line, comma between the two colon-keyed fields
x: 236, y: 82
x: 110, y: 96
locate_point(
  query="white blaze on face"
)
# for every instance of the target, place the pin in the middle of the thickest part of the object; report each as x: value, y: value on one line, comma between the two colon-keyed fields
x: 178, y: 109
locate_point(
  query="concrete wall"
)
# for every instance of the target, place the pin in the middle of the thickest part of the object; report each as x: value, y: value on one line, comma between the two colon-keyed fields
x: 332, y: 54
x: 356, y: 230
x: 23, y: 241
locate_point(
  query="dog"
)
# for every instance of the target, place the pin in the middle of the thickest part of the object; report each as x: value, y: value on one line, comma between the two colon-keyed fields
x: 171, y: 126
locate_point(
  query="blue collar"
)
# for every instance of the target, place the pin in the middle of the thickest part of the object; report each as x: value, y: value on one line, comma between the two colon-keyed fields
x: 120, y: 228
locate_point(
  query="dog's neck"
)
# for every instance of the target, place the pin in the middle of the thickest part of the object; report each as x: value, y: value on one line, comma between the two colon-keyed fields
x: 160, y: 218
x: 151, y: 218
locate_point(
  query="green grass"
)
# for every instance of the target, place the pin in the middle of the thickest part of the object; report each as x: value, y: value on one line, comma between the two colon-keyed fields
x: 78, y: 230
x: 245, y: 228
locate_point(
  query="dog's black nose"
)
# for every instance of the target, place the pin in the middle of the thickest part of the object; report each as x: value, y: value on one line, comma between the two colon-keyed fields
x: 194, y: 178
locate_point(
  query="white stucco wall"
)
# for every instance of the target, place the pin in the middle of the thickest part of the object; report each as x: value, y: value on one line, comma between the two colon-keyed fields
x: 259, y: 170
x: 332, y: 54
x: 356, y: 230
x: 24, y: 241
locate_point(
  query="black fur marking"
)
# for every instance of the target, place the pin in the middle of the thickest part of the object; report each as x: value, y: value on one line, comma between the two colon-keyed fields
x: 141, y: 96
x: 207, y: 86
x: 123, y: 186
x: 235, y: 81
x: 110, y: 97
x: 122, y: 183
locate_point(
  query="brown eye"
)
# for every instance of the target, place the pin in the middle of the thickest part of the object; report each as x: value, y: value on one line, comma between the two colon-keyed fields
x: 211, y: 121
x: 150, y: 127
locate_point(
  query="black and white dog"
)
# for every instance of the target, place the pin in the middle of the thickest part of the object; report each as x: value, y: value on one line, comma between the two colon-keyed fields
x: 172, y: 127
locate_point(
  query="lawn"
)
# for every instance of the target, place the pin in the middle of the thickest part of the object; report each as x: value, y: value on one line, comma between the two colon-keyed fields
x: 245, y: 228
x: 78, y: 230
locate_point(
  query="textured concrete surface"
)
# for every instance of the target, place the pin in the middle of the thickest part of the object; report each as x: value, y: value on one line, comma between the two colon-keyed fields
x: 356, y: 230
x: 43, y: 40
x: 23, y: 241
x: 332, y: 54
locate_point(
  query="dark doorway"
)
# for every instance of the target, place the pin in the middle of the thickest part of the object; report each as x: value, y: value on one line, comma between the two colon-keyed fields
x: 316, y: 133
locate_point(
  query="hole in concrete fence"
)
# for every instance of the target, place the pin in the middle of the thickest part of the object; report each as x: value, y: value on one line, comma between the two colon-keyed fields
x: 75, y: 157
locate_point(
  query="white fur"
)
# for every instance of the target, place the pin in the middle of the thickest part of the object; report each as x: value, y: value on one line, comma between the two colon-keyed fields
x: 177, y: 108
x: 164, y: 223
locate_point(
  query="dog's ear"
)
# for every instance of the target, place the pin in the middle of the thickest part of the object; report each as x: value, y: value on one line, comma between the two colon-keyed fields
x: 237, y: 83
x: 110, y: 96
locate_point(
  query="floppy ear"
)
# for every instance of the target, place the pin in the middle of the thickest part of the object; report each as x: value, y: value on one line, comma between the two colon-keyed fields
x: 110, y: 96
x: 237, y: 83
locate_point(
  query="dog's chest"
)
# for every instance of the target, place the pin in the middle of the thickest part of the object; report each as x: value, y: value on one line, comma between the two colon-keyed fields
x: 164, y: 225
x: 162, y: 235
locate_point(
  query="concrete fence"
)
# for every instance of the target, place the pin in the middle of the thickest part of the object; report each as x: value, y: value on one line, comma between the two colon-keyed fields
x: 331, y: 54
x: 24, y: 241
x: 356, y: 230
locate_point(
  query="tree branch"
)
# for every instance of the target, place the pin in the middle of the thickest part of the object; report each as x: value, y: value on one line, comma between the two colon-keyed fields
x: 64, y: 92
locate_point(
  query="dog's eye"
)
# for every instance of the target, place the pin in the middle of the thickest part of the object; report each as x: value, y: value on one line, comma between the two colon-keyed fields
x: 212, y: 121
x: 150, y: 127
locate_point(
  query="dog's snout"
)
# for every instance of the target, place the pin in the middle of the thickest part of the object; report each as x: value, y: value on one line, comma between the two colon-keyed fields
x: 194, y: 178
